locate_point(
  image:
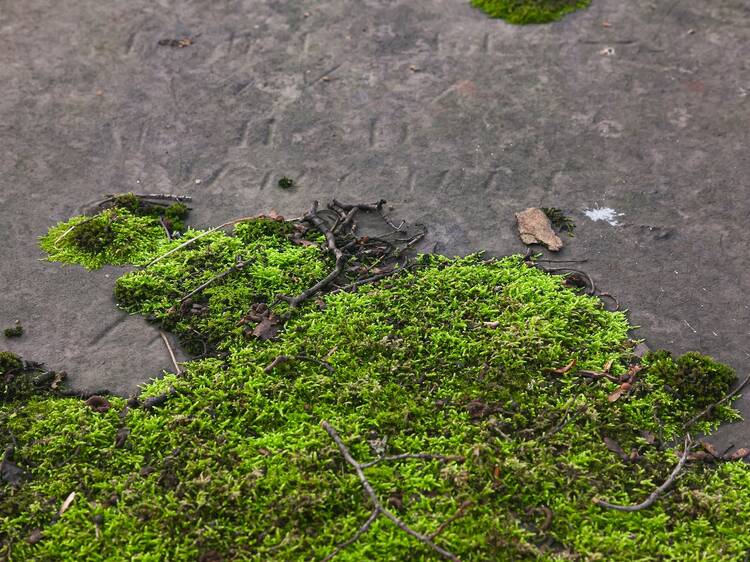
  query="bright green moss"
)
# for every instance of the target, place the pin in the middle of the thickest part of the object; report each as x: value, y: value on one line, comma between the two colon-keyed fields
x: 529, y: 11
x: 114, y: 236
x: 454, y: 357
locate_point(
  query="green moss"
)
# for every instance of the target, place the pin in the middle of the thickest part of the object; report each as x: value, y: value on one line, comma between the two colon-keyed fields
x: 286, y: 183
x: 114, y: 236
x: 529, y: 11
x: 454, y: 357
x: 692, y: 377
x: 14, y: 332
x: 9, y: 362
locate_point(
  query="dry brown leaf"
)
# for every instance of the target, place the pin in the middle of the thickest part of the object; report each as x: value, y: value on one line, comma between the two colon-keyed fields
x: 709, y: 448
x: 617, y: 394
x: 535, y: 227
x: 738, y: 454
x: 563, y: 370
x: 614, y: 446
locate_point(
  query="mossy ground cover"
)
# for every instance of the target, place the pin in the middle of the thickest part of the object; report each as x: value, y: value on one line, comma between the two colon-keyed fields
x: 529, y: 11
x: 454, y: 357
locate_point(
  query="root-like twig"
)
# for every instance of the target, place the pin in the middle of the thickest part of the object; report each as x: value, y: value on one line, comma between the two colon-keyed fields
x: 171, y: 353
x: 656, y: 494
x: 378, y: 508
x: 715, y: 404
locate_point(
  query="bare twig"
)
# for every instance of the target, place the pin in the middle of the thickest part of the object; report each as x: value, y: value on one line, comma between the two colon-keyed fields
x: 649, y: 501
x: 237, y: 266
x: 164, y: 226
x: 427, y: 456
x: 361, y: 531
x: 459, y: 513
x: 719, y: 403
x: 378, y: 507
x: 171, y: 353
x: 201, y: 235
x: 341, y: 258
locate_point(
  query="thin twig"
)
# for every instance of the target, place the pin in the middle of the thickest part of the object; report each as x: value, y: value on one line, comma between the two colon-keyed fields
x: 201, y: 235
x: 171, y: 353
x: 378, y: 507
x: 71, y: 229
x: 459, y: 512
x: 719, y: 403
x: 361, y: 531
x: 341, y: 258
x: 166, y: 230
x: 235, y: 267
x: 656, y: 493
x: 427, y: 456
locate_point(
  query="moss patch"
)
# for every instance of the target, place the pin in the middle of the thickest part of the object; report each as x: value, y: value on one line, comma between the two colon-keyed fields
x: 453, y: 357
x: 529, y: 11
x: 128, y: 231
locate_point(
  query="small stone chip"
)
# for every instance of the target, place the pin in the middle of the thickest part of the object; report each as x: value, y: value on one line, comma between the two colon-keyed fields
x: 535, y: 228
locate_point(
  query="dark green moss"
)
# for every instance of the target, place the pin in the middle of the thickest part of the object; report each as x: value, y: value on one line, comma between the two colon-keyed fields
x: 560, y: 220
x: 14, y: 332
x: 9, y: 362
x: 691, y: 377
x: 286, y: 183
x: 529, y: 11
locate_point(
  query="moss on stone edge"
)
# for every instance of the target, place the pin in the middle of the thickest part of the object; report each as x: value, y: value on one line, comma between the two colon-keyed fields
x: 452, y: 358
x: 529, y: 11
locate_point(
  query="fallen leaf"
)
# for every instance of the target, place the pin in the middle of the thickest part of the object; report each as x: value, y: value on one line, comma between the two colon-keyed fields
x: 617, y: 394
x: 709, y: 448
x: 563, y: 370
x: 614, y: 446
x: 738, y: 454
x: 66, y: 504
x: 59, y: 378
x: 121, y: 437
x: 267, y: 328
x: 9, y: 472
x: 699, y: 456
x: 35, y: 536
x: 535, y: 227
x: 98, y: 403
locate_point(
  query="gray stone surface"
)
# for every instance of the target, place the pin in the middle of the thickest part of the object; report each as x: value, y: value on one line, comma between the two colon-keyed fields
x: 458, y: 120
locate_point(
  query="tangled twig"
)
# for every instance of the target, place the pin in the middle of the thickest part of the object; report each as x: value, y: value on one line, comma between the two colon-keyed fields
x: 649, y: 501
x: 378, y: 508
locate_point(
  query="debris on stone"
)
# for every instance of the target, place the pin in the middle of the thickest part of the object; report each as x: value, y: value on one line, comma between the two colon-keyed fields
x: 535, y: 227
x: 176, y: 43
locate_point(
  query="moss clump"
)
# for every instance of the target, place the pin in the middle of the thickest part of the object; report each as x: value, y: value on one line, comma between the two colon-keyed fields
x: 13, y: 332
x: 692, y: 377
x: 560, y: 220
x: 286, y: 183
x: 9, y: 362
x: 115, y: 236
x: 529, y: 11
x: 452, y: 357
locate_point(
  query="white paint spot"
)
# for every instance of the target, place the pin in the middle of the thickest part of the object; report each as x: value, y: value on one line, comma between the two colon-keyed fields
x: 605, y: 214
